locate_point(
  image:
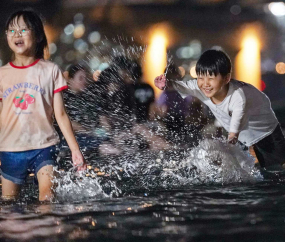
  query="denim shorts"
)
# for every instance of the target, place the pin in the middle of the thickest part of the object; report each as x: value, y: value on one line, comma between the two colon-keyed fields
x: 15, y: 166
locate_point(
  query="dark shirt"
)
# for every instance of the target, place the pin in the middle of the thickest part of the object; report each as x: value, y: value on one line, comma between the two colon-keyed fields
x: 82, y: 107
x: 144, y: 96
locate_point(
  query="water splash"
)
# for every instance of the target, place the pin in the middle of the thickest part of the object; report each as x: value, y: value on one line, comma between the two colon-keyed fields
x: 212, y: 162
x: 133, y: 166
x: 81, y: 186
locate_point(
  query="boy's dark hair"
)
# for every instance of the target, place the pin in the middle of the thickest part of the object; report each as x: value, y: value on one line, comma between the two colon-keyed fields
x: 214, y: 62
x: 33, y: 22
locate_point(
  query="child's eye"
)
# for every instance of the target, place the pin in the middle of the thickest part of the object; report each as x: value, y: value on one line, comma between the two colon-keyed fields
x: 11, y: 30
x: 23, y: 30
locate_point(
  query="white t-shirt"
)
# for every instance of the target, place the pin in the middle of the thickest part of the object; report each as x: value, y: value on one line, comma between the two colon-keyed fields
x: 245, y: 110
x: 27, y: 113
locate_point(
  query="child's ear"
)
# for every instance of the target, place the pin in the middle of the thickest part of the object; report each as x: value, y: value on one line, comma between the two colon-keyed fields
x: 228, y: 78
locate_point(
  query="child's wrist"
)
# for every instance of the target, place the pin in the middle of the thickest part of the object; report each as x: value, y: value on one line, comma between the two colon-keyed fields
x: 75, y: 149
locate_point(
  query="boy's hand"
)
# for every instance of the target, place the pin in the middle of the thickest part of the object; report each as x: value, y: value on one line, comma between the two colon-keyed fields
x: 233, y: 138
x: 78, y: 160
x: 160, y: 82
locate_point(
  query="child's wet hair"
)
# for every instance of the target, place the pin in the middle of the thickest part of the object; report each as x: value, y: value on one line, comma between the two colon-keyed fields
x: 73, y: 69
x: 214, y: 62
x: 110, y: 75
x: 33, y: 22
x: 127, y: 64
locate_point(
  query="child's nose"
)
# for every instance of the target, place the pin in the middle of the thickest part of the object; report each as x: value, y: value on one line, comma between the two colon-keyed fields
x: 18, y: 32
x: 207, y: 83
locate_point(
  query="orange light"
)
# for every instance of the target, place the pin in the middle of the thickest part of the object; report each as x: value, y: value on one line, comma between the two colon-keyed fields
x: 182, y: 71
x: 280, y: 68
x: 248, y: 63
x: 155, y: 57
x: 193, y: 71
x: 79, y: 31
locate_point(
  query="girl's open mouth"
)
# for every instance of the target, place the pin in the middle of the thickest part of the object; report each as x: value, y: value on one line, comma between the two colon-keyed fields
x: 19, y: 43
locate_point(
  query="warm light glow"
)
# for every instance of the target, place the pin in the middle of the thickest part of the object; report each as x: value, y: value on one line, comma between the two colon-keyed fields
x: 79, y: 31
x: 156, y: 56
x: 277, y: 8
x: 182, y: 71
x: 52, y: 35
x: 193, y: 72
x: 248, y: 64
x: 280, y: 68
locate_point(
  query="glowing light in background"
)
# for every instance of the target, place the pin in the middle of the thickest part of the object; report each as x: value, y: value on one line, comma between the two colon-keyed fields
x: 94, y: 63
x: 94, y: 37
x: 277, y: 8
x: 280, y: 68
x: 182, y: 71
x: 248, y: 63
x: 78, y: 18
x: 52, y: 48
x: 193, y: 69
x: 156, y: 56
x: 192, y: 51
x: 52, y: 35
x: 263, y: 85
x: 235, y: 9
x: 81, y: 46
x: 69, y: 29
x: 193, y: 72
x: 79, y: 31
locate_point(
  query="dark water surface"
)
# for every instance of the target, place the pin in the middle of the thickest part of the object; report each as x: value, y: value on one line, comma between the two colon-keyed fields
x: 239, y: 212
x: 214, y: 192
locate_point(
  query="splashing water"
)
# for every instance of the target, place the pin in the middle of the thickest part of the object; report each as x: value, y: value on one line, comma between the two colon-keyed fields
x: 211, y: 162
x: 133, y: 169
x: 169, y: 62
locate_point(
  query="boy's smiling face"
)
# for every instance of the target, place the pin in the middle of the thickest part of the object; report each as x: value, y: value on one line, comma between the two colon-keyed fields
x: 214, y: 87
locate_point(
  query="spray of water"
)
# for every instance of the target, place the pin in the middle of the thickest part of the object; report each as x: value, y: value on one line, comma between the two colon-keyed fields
x: 212, y: 162
x: 133, y: 166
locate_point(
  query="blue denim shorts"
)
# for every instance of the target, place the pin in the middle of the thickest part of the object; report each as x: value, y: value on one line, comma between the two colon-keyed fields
x: 15, y: 166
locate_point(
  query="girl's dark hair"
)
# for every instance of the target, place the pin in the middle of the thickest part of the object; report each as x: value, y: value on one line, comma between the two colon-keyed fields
x: 33, y: 22
x: 214, y: 62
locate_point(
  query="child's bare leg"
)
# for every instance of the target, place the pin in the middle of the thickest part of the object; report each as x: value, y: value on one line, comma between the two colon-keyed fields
x: 45, y: 176
x: 10, y: 190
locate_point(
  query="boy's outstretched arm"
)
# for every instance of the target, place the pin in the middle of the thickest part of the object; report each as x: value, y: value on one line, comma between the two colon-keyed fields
x: 160, y: 82
x: 66, y: 129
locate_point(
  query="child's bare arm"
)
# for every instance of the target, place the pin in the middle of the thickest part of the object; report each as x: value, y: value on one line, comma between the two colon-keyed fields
x: 66, y: 129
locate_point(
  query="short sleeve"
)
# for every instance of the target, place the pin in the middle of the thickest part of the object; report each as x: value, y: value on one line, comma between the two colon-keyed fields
x: 60, y: 83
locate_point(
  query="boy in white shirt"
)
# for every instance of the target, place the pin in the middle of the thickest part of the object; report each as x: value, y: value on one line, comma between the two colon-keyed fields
x: 243, y: 110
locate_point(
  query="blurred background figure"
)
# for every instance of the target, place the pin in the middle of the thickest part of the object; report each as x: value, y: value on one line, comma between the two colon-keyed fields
x: 173, y: 107
x: 139, y: 92
x: 81, y: 106
x: 124, y: 104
